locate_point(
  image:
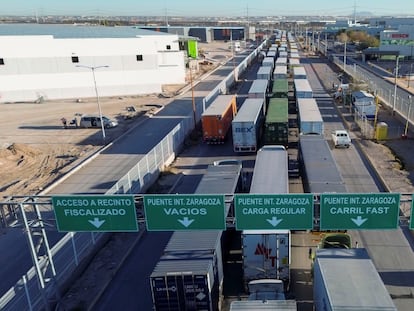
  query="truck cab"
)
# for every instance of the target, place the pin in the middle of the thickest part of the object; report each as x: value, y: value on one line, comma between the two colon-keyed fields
x: 266, y: 289
x: 336, y: 240
x: 341, y: 138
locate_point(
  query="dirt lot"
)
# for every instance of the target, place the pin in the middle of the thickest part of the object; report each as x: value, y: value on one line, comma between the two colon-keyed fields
x: 35, y: 149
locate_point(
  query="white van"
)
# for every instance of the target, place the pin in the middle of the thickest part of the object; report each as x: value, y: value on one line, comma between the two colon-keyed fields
x: 88, y: 120
x: 341, y: 138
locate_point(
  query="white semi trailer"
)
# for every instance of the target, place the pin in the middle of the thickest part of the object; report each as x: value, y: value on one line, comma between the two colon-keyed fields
x: 346, y: 279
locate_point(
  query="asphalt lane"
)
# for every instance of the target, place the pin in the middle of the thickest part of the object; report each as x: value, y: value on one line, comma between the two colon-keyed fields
x: 133, y: 290
x: 99, y: 175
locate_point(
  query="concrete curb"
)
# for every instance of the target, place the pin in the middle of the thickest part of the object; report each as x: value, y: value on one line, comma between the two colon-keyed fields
x: 126, y: 255
x: 104, y: 286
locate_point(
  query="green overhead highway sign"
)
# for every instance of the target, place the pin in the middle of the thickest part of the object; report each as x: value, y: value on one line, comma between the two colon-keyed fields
x: 412, y: 214
x: 273, y: 211
x: 359, y: 211
x: 95, y: 213
x: 184, y: 212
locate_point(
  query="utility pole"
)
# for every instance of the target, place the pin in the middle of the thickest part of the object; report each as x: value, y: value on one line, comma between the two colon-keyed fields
x: 376, y: 112
x: 408, y: 117
x: 192, y: 94
x: 409, y: 76
x: 93, y: 68
x: 345, y: 54
x: 395, y: 85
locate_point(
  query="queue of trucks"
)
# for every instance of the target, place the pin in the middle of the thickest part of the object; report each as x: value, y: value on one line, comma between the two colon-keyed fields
x: 190, y: 274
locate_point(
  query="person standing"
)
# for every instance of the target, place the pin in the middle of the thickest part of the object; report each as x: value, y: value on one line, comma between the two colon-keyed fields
x: 64, y: 122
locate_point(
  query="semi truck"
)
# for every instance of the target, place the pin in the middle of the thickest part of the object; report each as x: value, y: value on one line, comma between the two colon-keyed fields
x: 190, y: 273
x: 299, y: 73
x: 265, y: 72
x: 281, y: 61
x: 302, y: 88
x: 310, y: 118
x: 276, y: 128
x: 259, y: 89
x: 293, y: 63
x: 216, y: 119
x: 280, y: 72
x: 247, y: 125
x: 346, y: 279
x: 185, y: 285
x: 268, y: 62
x: 280, y: 87
x: 364, y: 104
x: 266, y: 255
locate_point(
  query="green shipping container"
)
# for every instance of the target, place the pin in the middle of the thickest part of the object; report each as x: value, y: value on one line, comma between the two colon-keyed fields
x: 280, y: 88
x: 277, y: 123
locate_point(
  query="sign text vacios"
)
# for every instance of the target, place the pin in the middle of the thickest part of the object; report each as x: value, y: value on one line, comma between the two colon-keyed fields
x: 184, y: 212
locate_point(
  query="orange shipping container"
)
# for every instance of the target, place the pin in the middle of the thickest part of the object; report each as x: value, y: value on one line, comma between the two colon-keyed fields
x: 216, y: 119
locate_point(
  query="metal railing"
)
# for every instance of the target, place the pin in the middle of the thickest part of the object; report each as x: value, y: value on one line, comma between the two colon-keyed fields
x: 385, y: 93
x: 68, y: 253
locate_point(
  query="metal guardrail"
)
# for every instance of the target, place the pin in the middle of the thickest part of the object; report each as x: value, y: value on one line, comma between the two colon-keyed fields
x: 69, y: 252
x: 383, y: 90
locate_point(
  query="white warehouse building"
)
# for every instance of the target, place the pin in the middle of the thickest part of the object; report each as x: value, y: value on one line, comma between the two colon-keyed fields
x: 44, y: 67
x: 400, y: 40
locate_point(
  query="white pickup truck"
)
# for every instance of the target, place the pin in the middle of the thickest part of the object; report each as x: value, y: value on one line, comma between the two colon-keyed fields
x: 341, y: 138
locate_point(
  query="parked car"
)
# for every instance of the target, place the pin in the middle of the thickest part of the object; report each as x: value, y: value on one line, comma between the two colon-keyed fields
x: 88, y: 120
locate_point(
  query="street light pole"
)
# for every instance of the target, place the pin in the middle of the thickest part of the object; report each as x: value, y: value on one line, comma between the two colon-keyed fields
x: 192, y: 95
x: 319, y: 40
x: 93, y: 68
x: 313, y: 39
x: 409, y: 76
x: 376, y: 113
x: 306, y: 39
x: 345, y: 55
x: 395, y: 86
x: 408, y: 116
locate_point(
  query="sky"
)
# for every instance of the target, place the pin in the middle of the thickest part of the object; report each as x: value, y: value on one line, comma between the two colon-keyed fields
x: 205, y: 8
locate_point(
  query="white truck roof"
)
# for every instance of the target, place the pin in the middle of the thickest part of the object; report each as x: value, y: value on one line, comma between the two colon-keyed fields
x: 351, y: 281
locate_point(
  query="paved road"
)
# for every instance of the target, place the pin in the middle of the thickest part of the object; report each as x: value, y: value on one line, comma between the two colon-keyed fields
x: 390, y: 250
x: 357, y: 177
x: 99, y: 175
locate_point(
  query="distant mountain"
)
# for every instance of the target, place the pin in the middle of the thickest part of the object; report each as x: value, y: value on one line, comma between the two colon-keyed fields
x: 364, y: 13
